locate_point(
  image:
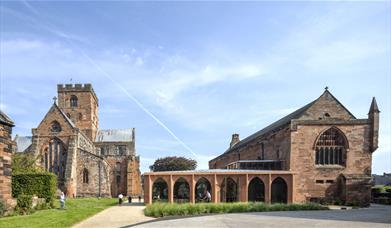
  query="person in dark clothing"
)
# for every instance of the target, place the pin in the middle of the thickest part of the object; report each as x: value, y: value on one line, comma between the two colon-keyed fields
x: 139, y: 199
x: 129, y: 199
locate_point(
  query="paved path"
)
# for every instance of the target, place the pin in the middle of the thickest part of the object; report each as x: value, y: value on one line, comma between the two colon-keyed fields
x: 375, y: 216
x: 116, y: 216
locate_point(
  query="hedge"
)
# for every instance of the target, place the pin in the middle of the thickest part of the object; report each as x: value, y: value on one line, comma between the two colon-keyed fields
x: 43, y: 185
x: 167, y: 209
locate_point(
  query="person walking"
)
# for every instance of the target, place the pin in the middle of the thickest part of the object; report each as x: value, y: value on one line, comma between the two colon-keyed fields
x: 120, y: 196
x: 208, y: 196
x: 62, y: 200
x: 129, y: 199
x: 139, y: 198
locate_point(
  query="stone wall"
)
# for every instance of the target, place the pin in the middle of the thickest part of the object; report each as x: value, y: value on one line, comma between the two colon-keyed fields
x: 358, y: 160
x: 96, y: 180
x: 6, y: 145
x: 276, y: 146
x: 134, y: 177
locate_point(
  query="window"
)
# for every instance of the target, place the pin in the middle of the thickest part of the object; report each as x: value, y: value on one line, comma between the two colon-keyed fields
x: 329, y: 181
x: 330, y: 148
x: 102, y: 150
x: 55, y: 127
x: 121, y: 150
x: 85, y: 176
x: 73, y: 101
x: 319, y: 181
x: 118, y: 167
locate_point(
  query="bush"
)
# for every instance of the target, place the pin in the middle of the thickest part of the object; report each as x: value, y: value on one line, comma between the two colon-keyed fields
x: 167, y: 209
x: 24, y: 204
x: 43, y: 185
x: 2, y: 207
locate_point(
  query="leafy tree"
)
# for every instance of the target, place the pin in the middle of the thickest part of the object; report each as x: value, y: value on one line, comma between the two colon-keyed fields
x: 25, y: 163
x: 173, y: 164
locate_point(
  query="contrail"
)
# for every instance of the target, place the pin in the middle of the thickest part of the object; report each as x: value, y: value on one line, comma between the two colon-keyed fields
x: 107, y: 75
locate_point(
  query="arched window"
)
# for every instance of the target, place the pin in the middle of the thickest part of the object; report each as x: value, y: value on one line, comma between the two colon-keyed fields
x: 85, y: 176
x: 55, y: 127
x: 330, y: 148
x: 118, y: 167
x: 55, y: 159
x: 73, y: 101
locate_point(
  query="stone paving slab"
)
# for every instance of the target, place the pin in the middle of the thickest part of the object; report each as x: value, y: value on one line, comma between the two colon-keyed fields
x: 116, y: 216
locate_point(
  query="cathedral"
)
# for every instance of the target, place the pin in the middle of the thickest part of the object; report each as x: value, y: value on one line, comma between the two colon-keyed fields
x: 88, y: 161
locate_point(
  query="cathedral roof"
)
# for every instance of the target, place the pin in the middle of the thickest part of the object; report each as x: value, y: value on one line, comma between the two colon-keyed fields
x: 4, y: 119
x: 286, y: 120
x: 22, y: 142
x: 115, y: 135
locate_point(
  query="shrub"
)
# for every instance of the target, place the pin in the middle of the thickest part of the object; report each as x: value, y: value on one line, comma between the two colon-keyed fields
x: 167, y: 209
x: 43, y: 185
x: 24, y: 204
x: 2, y: 207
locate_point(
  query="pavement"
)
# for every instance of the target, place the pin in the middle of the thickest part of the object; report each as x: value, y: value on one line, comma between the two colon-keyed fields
x: 116, y: 216
x: 374, y: 216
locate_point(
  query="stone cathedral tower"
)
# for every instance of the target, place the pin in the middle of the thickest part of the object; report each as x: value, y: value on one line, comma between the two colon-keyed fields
x: 80, y: 104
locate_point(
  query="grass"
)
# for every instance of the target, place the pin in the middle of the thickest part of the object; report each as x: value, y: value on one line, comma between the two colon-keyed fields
x: 76, y: 211
x: 166, y: 209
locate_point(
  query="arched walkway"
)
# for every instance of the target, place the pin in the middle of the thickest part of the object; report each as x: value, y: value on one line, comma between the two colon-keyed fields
x: 279, y: 191
x: 201, y: 188
x: 229, y: 190
x: 256, y: 190
x: 181, y: 191
x: 160, y: 191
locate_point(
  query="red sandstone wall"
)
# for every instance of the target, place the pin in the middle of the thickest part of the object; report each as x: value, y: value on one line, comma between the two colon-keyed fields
x: 358, y: 160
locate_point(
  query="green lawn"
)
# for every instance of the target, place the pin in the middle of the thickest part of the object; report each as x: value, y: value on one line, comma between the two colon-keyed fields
x: 76, y: 211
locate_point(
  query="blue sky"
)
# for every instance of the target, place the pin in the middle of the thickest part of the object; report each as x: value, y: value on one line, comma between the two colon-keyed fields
x: 187, y: 75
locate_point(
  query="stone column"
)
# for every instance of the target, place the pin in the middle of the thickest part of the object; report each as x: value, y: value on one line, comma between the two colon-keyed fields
x: 291, y: 189
x: 192, y: 189
x: 147, y: 190
x: 268, y: 189
x: 215, y: 198
x: 170, y: 190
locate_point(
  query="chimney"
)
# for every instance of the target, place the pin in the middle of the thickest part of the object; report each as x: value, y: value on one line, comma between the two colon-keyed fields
x: 235, y: 139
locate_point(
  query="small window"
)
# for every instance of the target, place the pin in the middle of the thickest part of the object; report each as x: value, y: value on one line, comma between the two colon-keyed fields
x: 329, y: 181
x: 319, y: 181
x: 121, y: 150
x: 55, y: 127
x: 118, y: 167
x: 327, y: 115
x: 85, y: 176
x: 73, y: 101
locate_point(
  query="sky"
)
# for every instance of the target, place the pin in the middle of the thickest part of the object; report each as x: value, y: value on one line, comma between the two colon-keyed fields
x: 187, y: 75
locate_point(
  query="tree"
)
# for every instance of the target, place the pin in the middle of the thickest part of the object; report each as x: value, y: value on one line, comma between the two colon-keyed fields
x: 25, y: 163
x: 173, y: 164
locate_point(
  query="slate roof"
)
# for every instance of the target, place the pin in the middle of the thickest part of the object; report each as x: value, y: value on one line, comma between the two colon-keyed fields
x: 22, y: 142
x: 282, y: 122
x: 114, y: 135
x: 5, y: 119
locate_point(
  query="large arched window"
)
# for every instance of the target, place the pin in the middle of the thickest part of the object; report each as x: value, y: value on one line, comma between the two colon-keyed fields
x: 73, y: 101
x: 330, y: 149
x: 55, y: 158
